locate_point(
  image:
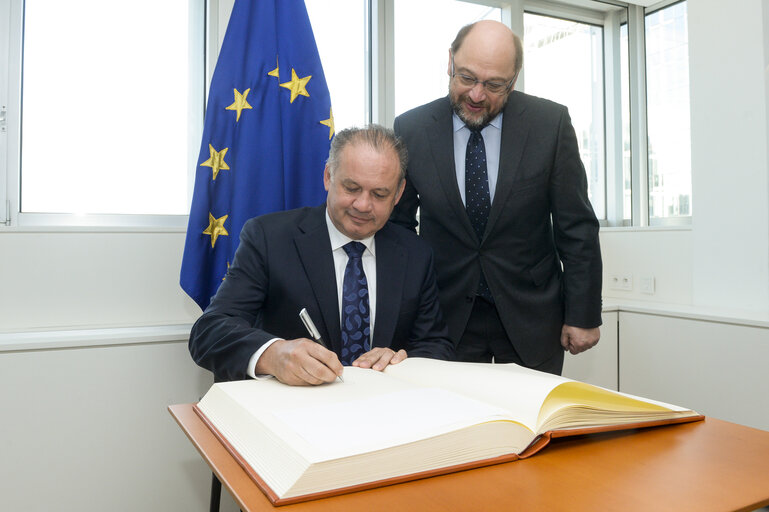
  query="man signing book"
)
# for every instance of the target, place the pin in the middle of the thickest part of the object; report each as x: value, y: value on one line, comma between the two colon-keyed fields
x: 368, y: 285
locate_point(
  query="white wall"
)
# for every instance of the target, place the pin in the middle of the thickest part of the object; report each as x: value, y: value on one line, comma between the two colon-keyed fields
x: 60, y: 280
x: 87, y: 428
x: 730, y: 183
x: 663, y: 254
x: 716, y: 368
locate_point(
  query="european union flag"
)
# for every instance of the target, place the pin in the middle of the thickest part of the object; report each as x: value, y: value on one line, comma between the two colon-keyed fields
x: 266, y: 136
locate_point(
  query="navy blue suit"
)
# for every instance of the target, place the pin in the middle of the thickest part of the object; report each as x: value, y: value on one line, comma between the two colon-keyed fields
x: 284, y: 263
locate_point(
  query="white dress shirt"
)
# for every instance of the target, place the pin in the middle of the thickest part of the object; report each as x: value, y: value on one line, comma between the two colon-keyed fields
x: 368, y: 259
x: 492, y: 140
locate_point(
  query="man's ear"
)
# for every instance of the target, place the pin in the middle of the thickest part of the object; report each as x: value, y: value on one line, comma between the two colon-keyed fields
x: 398, y: 194
x: 326, y: 178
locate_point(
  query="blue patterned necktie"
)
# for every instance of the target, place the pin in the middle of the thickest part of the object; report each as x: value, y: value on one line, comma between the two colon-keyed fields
x: 355, y: 308
x: 477, y: 197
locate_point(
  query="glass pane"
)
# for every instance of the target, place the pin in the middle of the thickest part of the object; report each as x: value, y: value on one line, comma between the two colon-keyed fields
x: 343, y: 55
x: 667, y: 89
x: 107, y: 93
x: 422, y: 49
x: 563, y: 62
x: 627, y: 186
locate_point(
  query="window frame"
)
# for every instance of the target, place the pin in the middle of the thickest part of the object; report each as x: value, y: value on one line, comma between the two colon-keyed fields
x: 11, y: 95
x: 10, y: 102
x: 635, y: 17
x: 380, y: 100
x: 676, y: 221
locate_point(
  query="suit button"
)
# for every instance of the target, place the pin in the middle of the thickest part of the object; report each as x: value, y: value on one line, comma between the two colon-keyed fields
x: 469, y: 298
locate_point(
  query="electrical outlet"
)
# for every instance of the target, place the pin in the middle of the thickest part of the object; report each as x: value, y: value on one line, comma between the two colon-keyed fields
x: 626, y: 282
x: 621, y: 282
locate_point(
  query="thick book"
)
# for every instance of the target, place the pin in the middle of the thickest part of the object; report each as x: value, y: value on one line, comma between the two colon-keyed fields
x: 419, y: 418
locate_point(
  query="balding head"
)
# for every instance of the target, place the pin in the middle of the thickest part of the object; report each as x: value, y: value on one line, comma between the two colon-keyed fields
x: 496, y: 37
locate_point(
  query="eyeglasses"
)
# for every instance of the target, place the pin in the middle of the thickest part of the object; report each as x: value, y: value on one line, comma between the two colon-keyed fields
x: 491, y: 86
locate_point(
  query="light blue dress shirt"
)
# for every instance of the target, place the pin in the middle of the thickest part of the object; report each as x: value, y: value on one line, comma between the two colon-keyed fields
x: 492, y: 140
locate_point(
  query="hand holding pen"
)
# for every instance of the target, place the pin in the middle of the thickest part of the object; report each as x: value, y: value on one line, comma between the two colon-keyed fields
x: 314, y: 333
x: 299, y: 362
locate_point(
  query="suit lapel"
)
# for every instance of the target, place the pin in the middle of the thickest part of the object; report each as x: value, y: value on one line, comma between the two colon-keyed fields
x: 314, y: 248
x: 391, y: 260
x: 442, y: 146
x: 514, y: 135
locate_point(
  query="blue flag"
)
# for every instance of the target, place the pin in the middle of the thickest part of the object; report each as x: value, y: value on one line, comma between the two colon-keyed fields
x: 266, y: 136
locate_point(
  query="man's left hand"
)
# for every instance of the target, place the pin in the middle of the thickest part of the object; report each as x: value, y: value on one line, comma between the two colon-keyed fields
x: 576, y: 339
x: 379, y: 358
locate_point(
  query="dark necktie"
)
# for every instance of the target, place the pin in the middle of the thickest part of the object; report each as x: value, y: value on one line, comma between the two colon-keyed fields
x: 355, y: 308
x: 477, y: 197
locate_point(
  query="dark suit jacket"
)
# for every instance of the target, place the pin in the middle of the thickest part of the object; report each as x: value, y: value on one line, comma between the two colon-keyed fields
x: 284, y: 263
x: 540, y: 177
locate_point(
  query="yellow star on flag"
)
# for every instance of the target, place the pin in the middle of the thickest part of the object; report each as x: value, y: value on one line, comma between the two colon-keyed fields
x: 216, y: 160
x: 330, y: 123
x: 215, y: 228
x: 297, y: 85
x: 275, y: 72
x: 240, y: 103
x: 225, y: 273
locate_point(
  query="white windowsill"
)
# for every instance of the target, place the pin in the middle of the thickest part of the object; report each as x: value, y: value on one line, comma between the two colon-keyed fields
x: 79, y: 338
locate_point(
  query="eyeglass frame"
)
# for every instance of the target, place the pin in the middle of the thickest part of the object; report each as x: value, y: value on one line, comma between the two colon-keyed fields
x: 484, y: 83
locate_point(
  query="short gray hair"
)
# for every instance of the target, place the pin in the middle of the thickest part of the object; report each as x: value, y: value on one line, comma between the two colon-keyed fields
x: 376, y: 137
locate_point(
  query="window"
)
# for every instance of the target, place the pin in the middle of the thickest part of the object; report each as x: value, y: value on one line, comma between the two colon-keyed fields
x: 101, y: 108
x: 111, y: 97
x: 422, y: 49
x: 667, y: 78
x: 563, y: 62
x: 344, y: 57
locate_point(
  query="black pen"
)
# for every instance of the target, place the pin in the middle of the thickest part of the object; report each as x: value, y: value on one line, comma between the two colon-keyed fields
x: 310, y: 325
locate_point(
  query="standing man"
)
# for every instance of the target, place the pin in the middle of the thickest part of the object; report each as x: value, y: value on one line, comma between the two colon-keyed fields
x: 502, y: 198
x: 368, y: 285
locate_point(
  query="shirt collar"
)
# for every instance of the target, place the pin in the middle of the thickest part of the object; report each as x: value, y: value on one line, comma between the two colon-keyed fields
x: 338, y: 239
x: 459, y: 124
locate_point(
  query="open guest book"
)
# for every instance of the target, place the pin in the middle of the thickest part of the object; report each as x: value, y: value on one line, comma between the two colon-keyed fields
x: 419, y: 418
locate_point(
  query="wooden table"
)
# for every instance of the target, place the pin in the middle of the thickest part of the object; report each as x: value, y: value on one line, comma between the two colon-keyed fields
x: 707, y: 465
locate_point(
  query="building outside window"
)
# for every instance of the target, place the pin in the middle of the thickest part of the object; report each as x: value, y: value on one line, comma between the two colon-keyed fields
x: 667, y: 76
x: 564, y: 63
